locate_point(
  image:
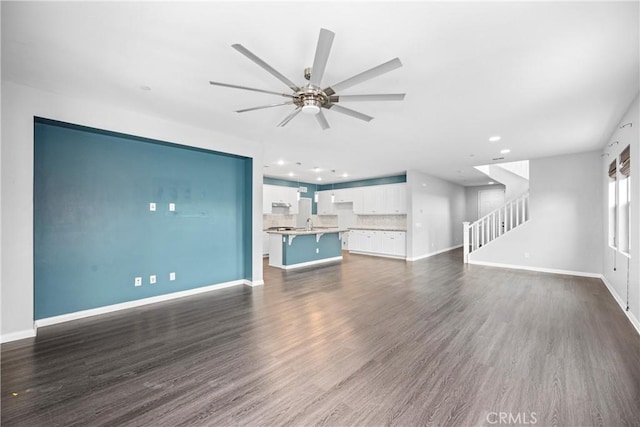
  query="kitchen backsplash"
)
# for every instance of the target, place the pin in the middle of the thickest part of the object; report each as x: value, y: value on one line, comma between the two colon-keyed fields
x: 270, y: 220
x: 325, y: 220
x: 381, y: 221
x: 278, y: 220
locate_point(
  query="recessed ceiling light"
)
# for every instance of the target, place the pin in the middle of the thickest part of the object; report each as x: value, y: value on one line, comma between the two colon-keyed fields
x: 344, y: 175
x: 316, y: 169
x: 491, y: 182
x: 280, y: 162
x: 505, y: 151
x: 290, y: 173
x: 494, y: 138
x: 319, y: 178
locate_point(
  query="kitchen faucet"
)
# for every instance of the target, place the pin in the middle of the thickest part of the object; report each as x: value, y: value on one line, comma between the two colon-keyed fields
x: 309, y: 224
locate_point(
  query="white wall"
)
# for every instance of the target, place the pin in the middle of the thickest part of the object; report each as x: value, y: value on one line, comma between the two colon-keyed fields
x: 471, y: 199
x: 617, y: 280
x: 565, y: 229
x: 19, y: 106
x: 436, y: 209
x: 515, y: 185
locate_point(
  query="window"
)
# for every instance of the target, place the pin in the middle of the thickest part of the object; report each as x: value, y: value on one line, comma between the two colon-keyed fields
x: 613, y: 205
x: 624, y: 200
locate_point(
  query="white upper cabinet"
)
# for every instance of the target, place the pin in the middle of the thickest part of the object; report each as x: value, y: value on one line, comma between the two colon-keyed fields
x: 395, y: 196
x: 388, y: 199
x: 344, y: 195
x: 277, y: 194
x: 325, y: 206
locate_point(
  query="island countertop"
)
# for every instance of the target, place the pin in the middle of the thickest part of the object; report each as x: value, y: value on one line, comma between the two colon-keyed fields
x: 302, y: 231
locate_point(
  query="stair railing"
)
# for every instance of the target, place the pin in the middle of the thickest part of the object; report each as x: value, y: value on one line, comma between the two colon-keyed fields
x: 494, y: 224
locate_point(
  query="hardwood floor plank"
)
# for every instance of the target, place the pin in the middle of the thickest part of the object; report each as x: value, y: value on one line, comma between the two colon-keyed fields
x: 369, y: 341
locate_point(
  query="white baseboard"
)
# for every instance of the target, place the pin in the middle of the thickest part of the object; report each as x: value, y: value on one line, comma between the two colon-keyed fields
x: 434, y: 253
x: 132, y: 304
x: 254, y: 283
x: 20, y: 335
x: 623, y: 305
x: 538, y: 269
x: 306, y: 264
x: 377, y: 254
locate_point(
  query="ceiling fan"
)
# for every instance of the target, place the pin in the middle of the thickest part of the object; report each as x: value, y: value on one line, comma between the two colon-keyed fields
x: 311, y: 98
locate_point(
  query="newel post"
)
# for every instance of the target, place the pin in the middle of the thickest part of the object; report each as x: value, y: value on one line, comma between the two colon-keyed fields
x: 465, y: 241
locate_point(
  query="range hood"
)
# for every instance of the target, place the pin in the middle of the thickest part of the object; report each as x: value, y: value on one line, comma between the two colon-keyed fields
x: 280, y: 205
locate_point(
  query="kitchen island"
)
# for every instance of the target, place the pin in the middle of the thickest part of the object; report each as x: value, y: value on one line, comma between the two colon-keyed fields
x: 290, y: 249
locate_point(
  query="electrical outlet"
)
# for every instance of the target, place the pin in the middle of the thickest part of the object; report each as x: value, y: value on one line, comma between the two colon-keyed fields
x: 152, y: 279
x: 172, y: 276
x: 138, y: 281
x: 172, y: 207
x: 152, y: 207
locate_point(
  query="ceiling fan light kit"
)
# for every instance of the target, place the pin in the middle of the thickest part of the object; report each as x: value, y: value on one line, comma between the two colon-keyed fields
x: 311, y: 98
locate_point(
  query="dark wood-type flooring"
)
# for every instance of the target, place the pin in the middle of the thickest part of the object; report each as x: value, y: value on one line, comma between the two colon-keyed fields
x: 369, y: 342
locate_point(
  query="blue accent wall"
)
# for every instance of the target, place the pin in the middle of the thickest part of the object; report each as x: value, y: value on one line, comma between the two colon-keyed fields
x: 303, y: 248
x: 311, y: 188
x: 94, y: 232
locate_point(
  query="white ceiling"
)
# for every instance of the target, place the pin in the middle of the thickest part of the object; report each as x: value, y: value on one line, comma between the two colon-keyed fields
x: 549, y: 78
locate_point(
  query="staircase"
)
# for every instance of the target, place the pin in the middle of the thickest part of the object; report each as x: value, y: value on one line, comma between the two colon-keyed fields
x: 495, y: 224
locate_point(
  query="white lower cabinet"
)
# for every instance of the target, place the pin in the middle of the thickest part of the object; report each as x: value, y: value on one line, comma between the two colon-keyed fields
x: 265, y: 243
x: 378, y: 242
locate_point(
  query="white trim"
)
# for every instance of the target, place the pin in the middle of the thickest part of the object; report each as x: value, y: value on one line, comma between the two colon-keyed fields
x: 305, y: 264
x: 634, y: 321
x: 254, y: 283
x: 20, y: 335
x: 434, y: 253
x: 377, y: 254
x: 132, y: 304
x: 539, y: 269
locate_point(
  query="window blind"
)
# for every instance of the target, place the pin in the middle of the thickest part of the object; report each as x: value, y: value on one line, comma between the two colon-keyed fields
x: 612, y: 170
x: 625, y: 161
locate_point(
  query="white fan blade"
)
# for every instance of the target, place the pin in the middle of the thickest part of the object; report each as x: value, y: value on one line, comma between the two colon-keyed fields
x: 324, y: 124
x: 250, y: 88
x: 246, y: 52
x: 350, y: 112
x: 263, y: 107
x: 325, y: 40
x: 374, y: 97
x: 290, y: 117
x: 364, y: 76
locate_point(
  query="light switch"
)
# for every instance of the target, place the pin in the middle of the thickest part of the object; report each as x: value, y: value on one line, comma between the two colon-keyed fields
x: 172, y: 276
x: 152, y: 279
x: 172, y: 207
x: 152, y: 207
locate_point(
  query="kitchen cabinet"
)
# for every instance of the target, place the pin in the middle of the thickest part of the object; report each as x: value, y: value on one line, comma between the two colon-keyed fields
x: 394, y: 243
x: 378, y: 242
x: 388, y: 199
x: 344, y: 195
x: 278, y: 194
x: 265, y: 243
x: 325, y: 206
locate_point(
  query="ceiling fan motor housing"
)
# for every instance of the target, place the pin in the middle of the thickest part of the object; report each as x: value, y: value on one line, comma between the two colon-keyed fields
x: 310, y: 98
